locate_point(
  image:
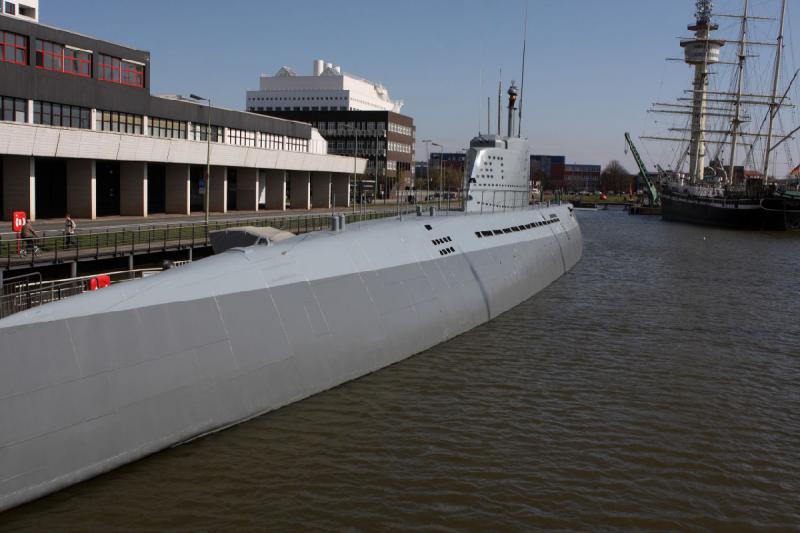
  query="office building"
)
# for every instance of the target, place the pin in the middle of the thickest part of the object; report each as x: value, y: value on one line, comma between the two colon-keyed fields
x: 578, y: 177
x: 81, y: 133
x: 354, y: 115
x: 548, y: 170
x: 327, y: 89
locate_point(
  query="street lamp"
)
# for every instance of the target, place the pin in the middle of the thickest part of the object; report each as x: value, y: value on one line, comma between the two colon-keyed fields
x: 441, y: 170
x: 208, y: 154
x: 428, y: 163
x: 355, y: 161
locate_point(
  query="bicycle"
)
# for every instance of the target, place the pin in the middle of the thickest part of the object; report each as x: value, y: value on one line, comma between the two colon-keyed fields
x: 23, y: 252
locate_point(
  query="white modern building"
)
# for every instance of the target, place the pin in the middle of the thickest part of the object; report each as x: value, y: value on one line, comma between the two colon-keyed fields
x: 25, y: 10
x: 326, y: 89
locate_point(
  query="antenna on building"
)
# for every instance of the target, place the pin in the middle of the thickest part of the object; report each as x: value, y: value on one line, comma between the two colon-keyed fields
x: 522, y: 83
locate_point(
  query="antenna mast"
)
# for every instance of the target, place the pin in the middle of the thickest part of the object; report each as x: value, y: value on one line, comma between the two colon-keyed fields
x: 522, y: 83
x: 773, y: 105
x: 480, y: 97
x: 489, y: 115
x: 499, y: 102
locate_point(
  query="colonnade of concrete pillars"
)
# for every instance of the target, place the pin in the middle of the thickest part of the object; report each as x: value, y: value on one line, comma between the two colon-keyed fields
x: 253, y: 188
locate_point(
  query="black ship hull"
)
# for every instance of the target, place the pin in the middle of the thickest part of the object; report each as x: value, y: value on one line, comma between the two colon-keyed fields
x: 771, y: 213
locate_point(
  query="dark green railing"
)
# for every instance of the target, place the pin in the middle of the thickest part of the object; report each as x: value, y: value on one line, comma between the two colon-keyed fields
x: 103, y: 243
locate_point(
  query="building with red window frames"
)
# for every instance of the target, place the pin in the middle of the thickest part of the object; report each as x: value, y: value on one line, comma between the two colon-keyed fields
x: 80, y: 132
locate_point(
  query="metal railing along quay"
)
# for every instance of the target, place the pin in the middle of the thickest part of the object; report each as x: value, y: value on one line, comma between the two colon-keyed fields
x: 142, y: 239
x: 28, y: 291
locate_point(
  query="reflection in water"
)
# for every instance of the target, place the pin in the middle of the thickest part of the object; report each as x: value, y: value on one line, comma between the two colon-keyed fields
x: 657, y: 385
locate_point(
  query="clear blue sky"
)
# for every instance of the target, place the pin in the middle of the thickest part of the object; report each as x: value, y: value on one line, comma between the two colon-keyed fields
x: 593, y: 67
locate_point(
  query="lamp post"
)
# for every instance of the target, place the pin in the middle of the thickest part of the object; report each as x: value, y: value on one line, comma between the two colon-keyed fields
x: 441, y: 171
x: 355, y: 161
x: 464, y: 180
x: 208, y: 155
x: 428, y: 163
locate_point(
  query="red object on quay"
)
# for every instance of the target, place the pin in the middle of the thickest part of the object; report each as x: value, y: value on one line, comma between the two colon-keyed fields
x: 19, y: 218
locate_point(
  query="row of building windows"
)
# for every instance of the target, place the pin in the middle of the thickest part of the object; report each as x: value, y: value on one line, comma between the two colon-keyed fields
x: 270, y: 141
x: 200, y: 133
x: 166, y: 128
x: 312, y: 108
x: 301, y: 98
x: 62, y: 58
x: 295, y: 144
x: 364, y: 145
x: 399, y: 147
x: 119, y: 122
x: 346, y: 128
x: 242, y: 137
x: 52, y: 114
x: 399, y: 128
x: 14, y: 109
x: 68, y: 116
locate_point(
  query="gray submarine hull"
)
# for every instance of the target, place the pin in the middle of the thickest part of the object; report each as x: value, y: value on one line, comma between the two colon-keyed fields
x: 105, y: 378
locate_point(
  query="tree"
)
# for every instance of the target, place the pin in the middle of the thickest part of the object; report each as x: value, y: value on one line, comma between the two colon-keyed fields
x: 615, y: 177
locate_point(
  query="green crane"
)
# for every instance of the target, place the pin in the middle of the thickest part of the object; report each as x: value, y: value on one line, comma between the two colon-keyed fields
x: 652, y: 189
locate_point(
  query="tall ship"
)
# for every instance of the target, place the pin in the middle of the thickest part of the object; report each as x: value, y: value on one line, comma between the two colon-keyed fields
x: 101, y: 379
x: 730, y: 136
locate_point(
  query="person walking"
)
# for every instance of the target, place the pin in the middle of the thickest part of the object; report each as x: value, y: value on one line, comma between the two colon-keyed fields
x: 28, y: 235
x: 69, y: 231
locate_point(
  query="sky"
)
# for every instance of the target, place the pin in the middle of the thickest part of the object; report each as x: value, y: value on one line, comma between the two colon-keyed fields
x: 593, y: 66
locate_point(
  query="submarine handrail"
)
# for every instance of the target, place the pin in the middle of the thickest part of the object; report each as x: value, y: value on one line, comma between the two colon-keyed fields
x: 20, y: 293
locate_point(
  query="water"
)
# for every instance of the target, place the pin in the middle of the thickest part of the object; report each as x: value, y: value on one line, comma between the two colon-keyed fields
x: 657, y: 385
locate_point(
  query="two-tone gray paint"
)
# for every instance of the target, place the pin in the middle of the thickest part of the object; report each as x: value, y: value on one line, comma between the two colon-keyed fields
x: 105, y: 378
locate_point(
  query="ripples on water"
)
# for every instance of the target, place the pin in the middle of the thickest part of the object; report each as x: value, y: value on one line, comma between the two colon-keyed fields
x: 657, y: 385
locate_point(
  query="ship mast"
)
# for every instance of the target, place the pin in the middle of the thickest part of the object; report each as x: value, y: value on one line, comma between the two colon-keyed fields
x: 737, y: 120
x: 774, y: 105
x: 700, y: 52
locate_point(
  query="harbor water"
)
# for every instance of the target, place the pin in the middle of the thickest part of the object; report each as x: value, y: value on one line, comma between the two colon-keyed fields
x: 657, y: 385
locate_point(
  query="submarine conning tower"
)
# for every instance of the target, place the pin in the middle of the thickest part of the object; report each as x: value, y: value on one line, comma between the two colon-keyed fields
x: 700, y: 52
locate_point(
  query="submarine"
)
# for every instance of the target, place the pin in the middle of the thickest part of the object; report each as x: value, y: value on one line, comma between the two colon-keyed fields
x: 102, y: 379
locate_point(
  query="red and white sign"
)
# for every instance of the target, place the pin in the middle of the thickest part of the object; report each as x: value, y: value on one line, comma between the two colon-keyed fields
x: 19, y: 219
